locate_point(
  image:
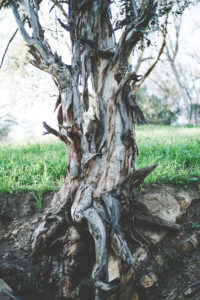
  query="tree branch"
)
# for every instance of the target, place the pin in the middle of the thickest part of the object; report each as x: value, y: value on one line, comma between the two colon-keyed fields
x: 9, y: 42
x: 37, y: 39
x: 33, y: 18
x: 149, y: 219
x: 58, y: 4
x: 164, y: 32
x: 135, y: 8
x: 49, y: 129
x: 20, y: 23
x: 131, y: 36
x: 178, y: 29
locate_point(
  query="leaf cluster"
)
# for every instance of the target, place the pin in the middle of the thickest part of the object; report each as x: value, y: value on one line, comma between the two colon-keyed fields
x: 163, y: 7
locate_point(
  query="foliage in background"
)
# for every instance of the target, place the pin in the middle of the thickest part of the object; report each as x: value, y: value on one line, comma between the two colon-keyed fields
x: 41, y: 167
x: 6, y: 124
x: 156, y: 110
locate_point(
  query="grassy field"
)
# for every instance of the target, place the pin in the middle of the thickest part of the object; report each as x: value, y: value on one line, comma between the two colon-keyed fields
x: 32, y: 167
x: 176, y: 150
x: 42, y: 166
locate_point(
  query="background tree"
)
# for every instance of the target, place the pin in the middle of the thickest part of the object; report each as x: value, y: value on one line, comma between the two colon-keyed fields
x: 156, y: 110
x: 96, y: 197
x: 6, y: 124
x: 175, y: 78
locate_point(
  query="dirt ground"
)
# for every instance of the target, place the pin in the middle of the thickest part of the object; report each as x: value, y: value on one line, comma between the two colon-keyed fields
x: 170, y: 271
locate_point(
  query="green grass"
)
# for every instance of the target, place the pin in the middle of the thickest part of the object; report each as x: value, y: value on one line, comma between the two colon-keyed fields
x: 176, y: 150
x: 42, y: 167
x: 32, y: 167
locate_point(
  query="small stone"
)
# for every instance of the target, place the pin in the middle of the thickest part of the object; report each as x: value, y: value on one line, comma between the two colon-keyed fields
x: 3, y: 288
x: 148, y: 280
x: 162, y: 205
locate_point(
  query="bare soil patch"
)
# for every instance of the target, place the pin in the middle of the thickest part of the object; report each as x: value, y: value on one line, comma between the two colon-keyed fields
x: 168, y: 269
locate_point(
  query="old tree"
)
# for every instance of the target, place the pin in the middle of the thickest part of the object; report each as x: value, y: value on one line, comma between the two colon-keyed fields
x: 90, y: 219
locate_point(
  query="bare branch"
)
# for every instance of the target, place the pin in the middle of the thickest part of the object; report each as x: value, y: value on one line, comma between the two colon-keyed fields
x: 33, y: 18
x: 132, y: 34
x: 20, y: 23
x: 9, y: 42
x: 49, y: 129
x: 37, y: 39
x: 164, y: 32
x: 60, y: 7
x: 178, y: 29
x: 153, y: 220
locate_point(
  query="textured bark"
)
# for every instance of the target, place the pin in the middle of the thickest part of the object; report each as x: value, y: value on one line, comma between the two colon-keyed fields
x: 101, y: 161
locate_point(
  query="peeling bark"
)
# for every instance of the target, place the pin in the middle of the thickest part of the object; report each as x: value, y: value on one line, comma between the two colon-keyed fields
x: 101, y: 162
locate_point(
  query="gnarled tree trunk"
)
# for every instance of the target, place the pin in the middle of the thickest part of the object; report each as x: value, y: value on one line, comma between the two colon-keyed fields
x: 84, y: 225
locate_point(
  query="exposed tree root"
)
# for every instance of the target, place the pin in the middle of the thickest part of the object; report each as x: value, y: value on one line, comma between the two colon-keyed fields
x: 149, y: 219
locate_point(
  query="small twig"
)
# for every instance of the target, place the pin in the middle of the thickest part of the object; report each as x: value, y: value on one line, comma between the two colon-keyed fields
x: 60, y: 7
x: 9, y: 42
x: 66, y: 27
x: 82, y: 4
x: 49, y: 129
x: 56, y: 3
x: 164, y: 32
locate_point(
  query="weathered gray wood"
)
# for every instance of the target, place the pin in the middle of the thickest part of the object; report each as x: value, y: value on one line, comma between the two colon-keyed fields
x: 100, y: 161
x: 153, y: 220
